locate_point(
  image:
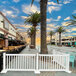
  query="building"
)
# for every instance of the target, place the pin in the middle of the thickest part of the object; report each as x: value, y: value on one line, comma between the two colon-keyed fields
x: 20, y: 37
x: 67, y: 41
x: 7, y: 31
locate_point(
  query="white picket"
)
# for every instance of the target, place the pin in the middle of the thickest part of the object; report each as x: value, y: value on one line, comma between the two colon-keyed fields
x: 36, y: 62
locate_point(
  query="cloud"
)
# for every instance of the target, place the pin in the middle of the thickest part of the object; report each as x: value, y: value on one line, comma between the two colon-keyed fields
x: 59, y: 17
x: 67, y: 18
x: 15, y: 10
x: 26, y: 26
x: 24, y: 17
x: 65, y: 23
x: 7, y: 12
x: 5, y: 2
x: 52, y: 3
x: 68, y: 30
x: 74, y: 12
x: 51, y: 25
x: 28, y: 9
x: 73, y: 33
x: 53, y: 7
x: 73, y: 29
x: 51, y: 19
x: 67, y: 1
x: 13, y: 16
x: 11, y: 13
x: 50, y: 29
x: 16, y: 1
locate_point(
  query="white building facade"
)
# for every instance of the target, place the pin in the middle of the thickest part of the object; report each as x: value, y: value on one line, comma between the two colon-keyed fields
x: 7, y: 30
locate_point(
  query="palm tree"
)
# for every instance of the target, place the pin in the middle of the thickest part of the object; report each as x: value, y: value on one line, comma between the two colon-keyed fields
x: 51, y: 33
x: 60, y: 30
x: 72, y: 21
x: 33, y: 19
x: 30, y: 32
x: 43, y: 10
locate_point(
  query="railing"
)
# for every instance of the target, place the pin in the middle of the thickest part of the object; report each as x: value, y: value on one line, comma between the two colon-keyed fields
x: 63, y: 58
x: 35, y: 62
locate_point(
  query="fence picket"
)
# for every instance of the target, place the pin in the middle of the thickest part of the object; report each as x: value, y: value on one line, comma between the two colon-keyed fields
x: 39, y: 62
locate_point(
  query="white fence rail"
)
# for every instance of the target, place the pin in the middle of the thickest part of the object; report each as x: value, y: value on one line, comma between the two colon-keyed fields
x: 35, y: 62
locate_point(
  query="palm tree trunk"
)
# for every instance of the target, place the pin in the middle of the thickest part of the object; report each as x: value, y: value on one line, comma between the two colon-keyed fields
x: 51, y: 39
x: 43, y: 9
x: 34, y: 38
x: 59, y: 38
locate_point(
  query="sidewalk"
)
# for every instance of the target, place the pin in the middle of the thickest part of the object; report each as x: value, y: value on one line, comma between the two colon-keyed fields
x: 27, y: 50
x: 19, y: 73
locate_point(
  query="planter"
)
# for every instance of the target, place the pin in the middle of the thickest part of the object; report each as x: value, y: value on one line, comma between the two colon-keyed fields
x: 32, y: 46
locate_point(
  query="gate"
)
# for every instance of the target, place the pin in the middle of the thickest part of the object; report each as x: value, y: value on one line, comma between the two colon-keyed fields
x: 35, y: 62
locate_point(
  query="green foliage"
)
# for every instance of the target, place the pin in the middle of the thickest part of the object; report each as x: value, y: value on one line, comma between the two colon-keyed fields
x: 60, y: 29
x: 73, y: 22
x: 74, y: 17
x: 30, y: 31
x: 51, y: 33
x: 33, y: 19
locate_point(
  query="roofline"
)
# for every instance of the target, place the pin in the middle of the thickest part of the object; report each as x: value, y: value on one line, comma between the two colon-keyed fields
x: 19, y: 34
x: 8, y: 20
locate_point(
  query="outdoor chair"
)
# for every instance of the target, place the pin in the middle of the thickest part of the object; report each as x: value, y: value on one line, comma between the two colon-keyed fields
x: 72, y: 58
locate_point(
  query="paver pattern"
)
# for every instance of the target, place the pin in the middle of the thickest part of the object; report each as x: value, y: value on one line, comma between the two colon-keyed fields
x: 34, y: 51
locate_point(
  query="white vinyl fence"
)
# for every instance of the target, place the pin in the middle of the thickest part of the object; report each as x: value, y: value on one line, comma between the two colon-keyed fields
x: 35, y: 62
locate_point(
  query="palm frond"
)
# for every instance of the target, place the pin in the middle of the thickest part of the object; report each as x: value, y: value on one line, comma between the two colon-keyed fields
x: 51, y: 33
x: 72, y: 21
x: 32, y: 2
x: 30, y: 31
x: 33, y: 18
x: 58, y: 1
x: 74, y: 16
x: 60, y: 29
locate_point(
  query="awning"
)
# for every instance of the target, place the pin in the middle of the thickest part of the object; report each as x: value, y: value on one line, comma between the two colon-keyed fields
x: 2, y: 36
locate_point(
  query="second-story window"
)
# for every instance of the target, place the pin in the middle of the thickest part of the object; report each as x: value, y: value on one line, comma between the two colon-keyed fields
x: 6, y: 25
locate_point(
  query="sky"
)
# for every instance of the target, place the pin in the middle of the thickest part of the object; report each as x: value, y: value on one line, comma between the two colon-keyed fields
x: 57, y: 14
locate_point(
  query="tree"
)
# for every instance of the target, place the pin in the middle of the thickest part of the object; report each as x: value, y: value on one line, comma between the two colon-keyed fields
x: 30, y: 32
x: 51, y: 33
x: 60, y: 30
x: 43, y: 10
x: 72, y: 21
x: 33, y: 19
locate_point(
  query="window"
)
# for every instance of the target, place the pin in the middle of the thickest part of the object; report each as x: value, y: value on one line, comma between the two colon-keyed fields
x: 6, y: 25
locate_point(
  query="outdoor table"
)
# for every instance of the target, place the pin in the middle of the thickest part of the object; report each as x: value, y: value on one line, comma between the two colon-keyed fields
x: 2, y: 50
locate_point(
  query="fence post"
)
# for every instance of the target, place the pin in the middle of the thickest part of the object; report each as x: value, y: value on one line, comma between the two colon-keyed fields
x: 4, y: 63
x: 37, y: 70
x: 68, y: 63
